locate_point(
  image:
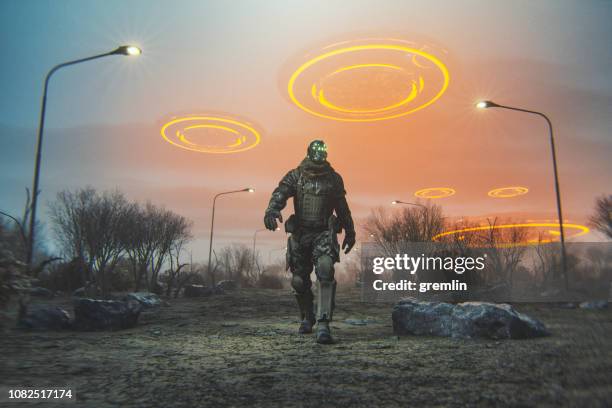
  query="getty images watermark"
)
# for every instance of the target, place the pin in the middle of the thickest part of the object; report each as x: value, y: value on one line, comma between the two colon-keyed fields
x: 452, y: 271
x: 413, y: 264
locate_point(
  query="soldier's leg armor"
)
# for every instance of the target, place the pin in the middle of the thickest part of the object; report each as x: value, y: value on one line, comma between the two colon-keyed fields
x: 326, y: 285
x: 325, y: 253
x: 301, y: 267
x: 303, y: 293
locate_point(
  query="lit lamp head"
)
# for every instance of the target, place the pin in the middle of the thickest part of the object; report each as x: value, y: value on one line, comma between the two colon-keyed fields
x: 486, y: 104
x: 317, y: 151
x: 394, y: 202
x: 129, y: 50
x: 249, y: 190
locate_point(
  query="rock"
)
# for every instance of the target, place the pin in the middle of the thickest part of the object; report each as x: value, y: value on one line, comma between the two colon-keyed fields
x: 568, y: 305
x: 494, y: 321
x: 197, y: 291
x: 92, y: 314
x: 227, y: 285
x: 464, y: 320
x: 594, y: 305
x: 44, y: 317
x: 40, y: 292
x: 146, y: 299
x: 356, y: 322
x: 80, y: 292
x: 411, y: 316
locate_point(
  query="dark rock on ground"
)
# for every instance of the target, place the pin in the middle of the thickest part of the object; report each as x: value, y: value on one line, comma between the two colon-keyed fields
x: 568, y: 305
x: 92, y: 314
x: 40, y: 292
x: 44, y: 317
x: 80, y: 292
x: 494, y: 321
x: 146, y: 299
x: 227, y: 285
x: 594, y: 305
x: 197, y: 291
x: 464, y: 320
x: 411, y: 316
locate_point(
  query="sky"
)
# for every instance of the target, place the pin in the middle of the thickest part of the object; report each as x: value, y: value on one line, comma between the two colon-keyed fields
x: 104, y: 117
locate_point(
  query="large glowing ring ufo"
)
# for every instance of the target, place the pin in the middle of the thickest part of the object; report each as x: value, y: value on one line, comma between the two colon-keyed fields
x: 508, y: 192
x: 435, y: 192
x: 368, y: 80
x: 210, y: 133
x: 577, y: 228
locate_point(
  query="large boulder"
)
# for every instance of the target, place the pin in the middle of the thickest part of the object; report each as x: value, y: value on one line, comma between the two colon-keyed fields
x: 464, y: 320
x: 227, y: 285
x: 494, y: 321
x: 197, y: 291
x: 146, y: 299
x: 78, y: 293
x: 411, y: 316
x: 44, y: 317
x: 90, y: 314
x: 40, y: 292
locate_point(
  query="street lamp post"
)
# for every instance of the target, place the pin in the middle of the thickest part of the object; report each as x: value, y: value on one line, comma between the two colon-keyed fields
x: 395, y: 202
x: 212, y: 226
x: 255, y: 243
x: 129, y: 50
x: 490, y: 104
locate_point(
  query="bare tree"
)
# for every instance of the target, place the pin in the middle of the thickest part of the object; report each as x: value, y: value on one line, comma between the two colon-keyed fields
x: 411, y: 224
x: 14, y: 237
x: 152, y: 234
x: 139, y: 241
x: 176, y: 276
x: 236, y: 261
x: 397, y: 232
x: 602, y: 219
x: 89, y: 226
x: 506, y: 248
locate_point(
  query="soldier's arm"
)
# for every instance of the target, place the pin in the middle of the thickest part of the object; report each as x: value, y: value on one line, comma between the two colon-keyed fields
x: 342, y: 208
x: 286, y: 189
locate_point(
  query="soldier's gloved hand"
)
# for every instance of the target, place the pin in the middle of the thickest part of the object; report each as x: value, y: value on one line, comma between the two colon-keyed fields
x: 270, y: 219
x: 348, y: 242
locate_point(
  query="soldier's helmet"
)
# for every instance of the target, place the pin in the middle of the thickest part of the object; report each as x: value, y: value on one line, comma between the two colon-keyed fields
x: 317, y: 151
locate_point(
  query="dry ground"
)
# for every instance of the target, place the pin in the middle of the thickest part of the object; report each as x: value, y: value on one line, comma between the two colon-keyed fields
x: 241, y: 349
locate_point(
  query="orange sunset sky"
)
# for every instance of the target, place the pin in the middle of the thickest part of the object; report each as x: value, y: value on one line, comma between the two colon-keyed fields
x: 104, y: 117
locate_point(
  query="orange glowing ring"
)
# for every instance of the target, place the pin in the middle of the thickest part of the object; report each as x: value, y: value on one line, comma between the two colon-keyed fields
x: 435, y: 192
x: 321, y: 106
x: 243, y: 136
x: 582, y: 230
x: 507, y: 192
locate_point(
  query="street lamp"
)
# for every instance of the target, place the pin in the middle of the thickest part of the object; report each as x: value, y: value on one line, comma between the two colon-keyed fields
x: 129, y: 50
x: 490, y: 104
x: 255, y: 242
x: 395, y: 202
x: 212, y: 224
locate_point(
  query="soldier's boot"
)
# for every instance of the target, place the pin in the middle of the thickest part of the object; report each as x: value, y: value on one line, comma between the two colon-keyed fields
x: 305, y: 302
x: 325, y: 309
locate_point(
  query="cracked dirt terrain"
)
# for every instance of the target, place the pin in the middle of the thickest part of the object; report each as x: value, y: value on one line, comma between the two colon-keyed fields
x: 241, y: 349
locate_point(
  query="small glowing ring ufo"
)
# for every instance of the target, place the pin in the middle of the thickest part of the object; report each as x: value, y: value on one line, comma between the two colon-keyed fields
x: 582, y: 230
x: 435, y: 192
x: 244, y: 136
x: 391, y: 47
x: 507, y: 192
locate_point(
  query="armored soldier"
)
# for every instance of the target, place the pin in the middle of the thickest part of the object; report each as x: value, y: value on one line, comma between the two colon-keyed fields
x: 318, y: 192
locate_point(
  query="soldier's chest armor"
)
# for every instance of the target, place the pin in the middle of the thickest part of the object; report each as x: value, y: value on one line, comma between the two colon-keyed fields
x: 314, y: 200
x: 319, y: 186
